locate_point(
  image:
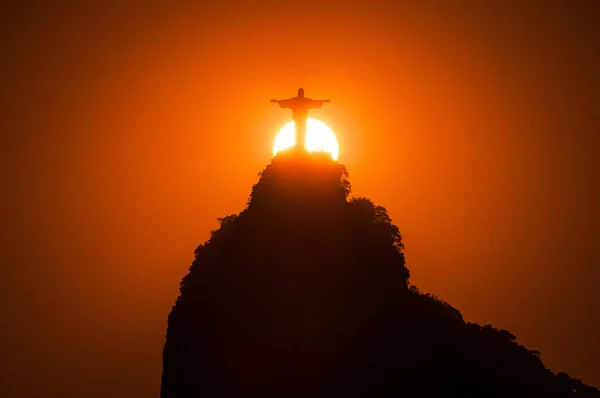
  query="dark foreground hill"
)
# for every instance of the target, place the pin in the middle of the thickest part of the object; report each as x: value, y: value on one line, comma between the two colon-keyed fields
x: 306, y: 294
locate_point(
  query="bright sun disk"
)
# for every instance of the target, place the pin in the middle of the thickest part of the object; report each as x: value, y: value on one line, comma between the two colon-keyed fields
x: 319, y: 137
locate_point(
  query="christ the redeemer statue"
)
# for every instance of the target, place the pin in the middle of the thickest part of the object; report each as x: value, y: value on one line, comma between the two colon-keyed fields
x: 300, y: 106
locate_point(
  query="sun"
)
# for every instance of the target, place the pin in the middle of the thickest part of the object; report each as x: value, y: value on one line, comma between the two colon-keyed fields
x: 319, y: 137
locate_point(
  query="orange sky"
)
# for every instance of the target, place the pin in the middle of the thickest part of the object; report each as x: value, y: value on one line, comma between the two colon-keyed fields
x: 130, y: 128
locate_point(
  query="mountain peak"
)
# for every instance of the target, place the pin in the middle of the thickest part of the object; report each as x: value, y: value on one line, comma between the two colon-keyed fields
x: 305, y: 293
x: 299, y: 179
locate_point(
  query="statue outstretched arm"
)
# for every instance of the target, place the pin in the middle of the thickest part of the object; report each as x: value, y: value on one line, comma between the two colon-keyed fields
x: 287, y: 103
x: 317, y: 103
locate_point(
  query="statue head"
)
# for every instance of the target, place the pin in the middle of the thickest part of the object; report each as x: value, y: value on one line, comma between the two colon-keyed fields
x: 301, y: 92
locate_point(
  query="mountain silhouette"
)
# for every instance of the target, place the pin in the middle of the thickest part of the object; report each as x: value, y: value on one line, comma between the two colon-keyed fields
x: 305, y: 293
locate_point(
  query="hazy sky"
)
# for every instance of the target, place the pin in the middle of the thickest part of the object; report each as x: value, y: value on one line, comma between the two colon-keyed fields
x: 127, y: 129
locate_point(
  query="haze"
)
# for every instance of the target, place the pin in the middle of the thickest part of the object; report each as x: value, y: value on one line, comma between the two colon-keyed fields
x: 128, y: 129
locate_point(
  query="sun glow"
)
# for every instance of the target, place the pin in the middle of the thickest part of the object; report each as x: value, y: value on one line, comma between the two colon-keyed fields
x: 319, y: 137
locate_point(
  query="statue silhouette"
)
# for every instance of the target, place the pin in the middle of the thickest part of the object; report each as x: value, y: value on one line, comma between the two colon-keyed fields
x: 300, y: 106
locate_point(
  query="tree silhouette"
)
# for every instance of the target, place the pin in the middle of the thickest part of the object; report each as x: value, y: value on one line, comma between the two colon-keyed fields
x: 306, y: 293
